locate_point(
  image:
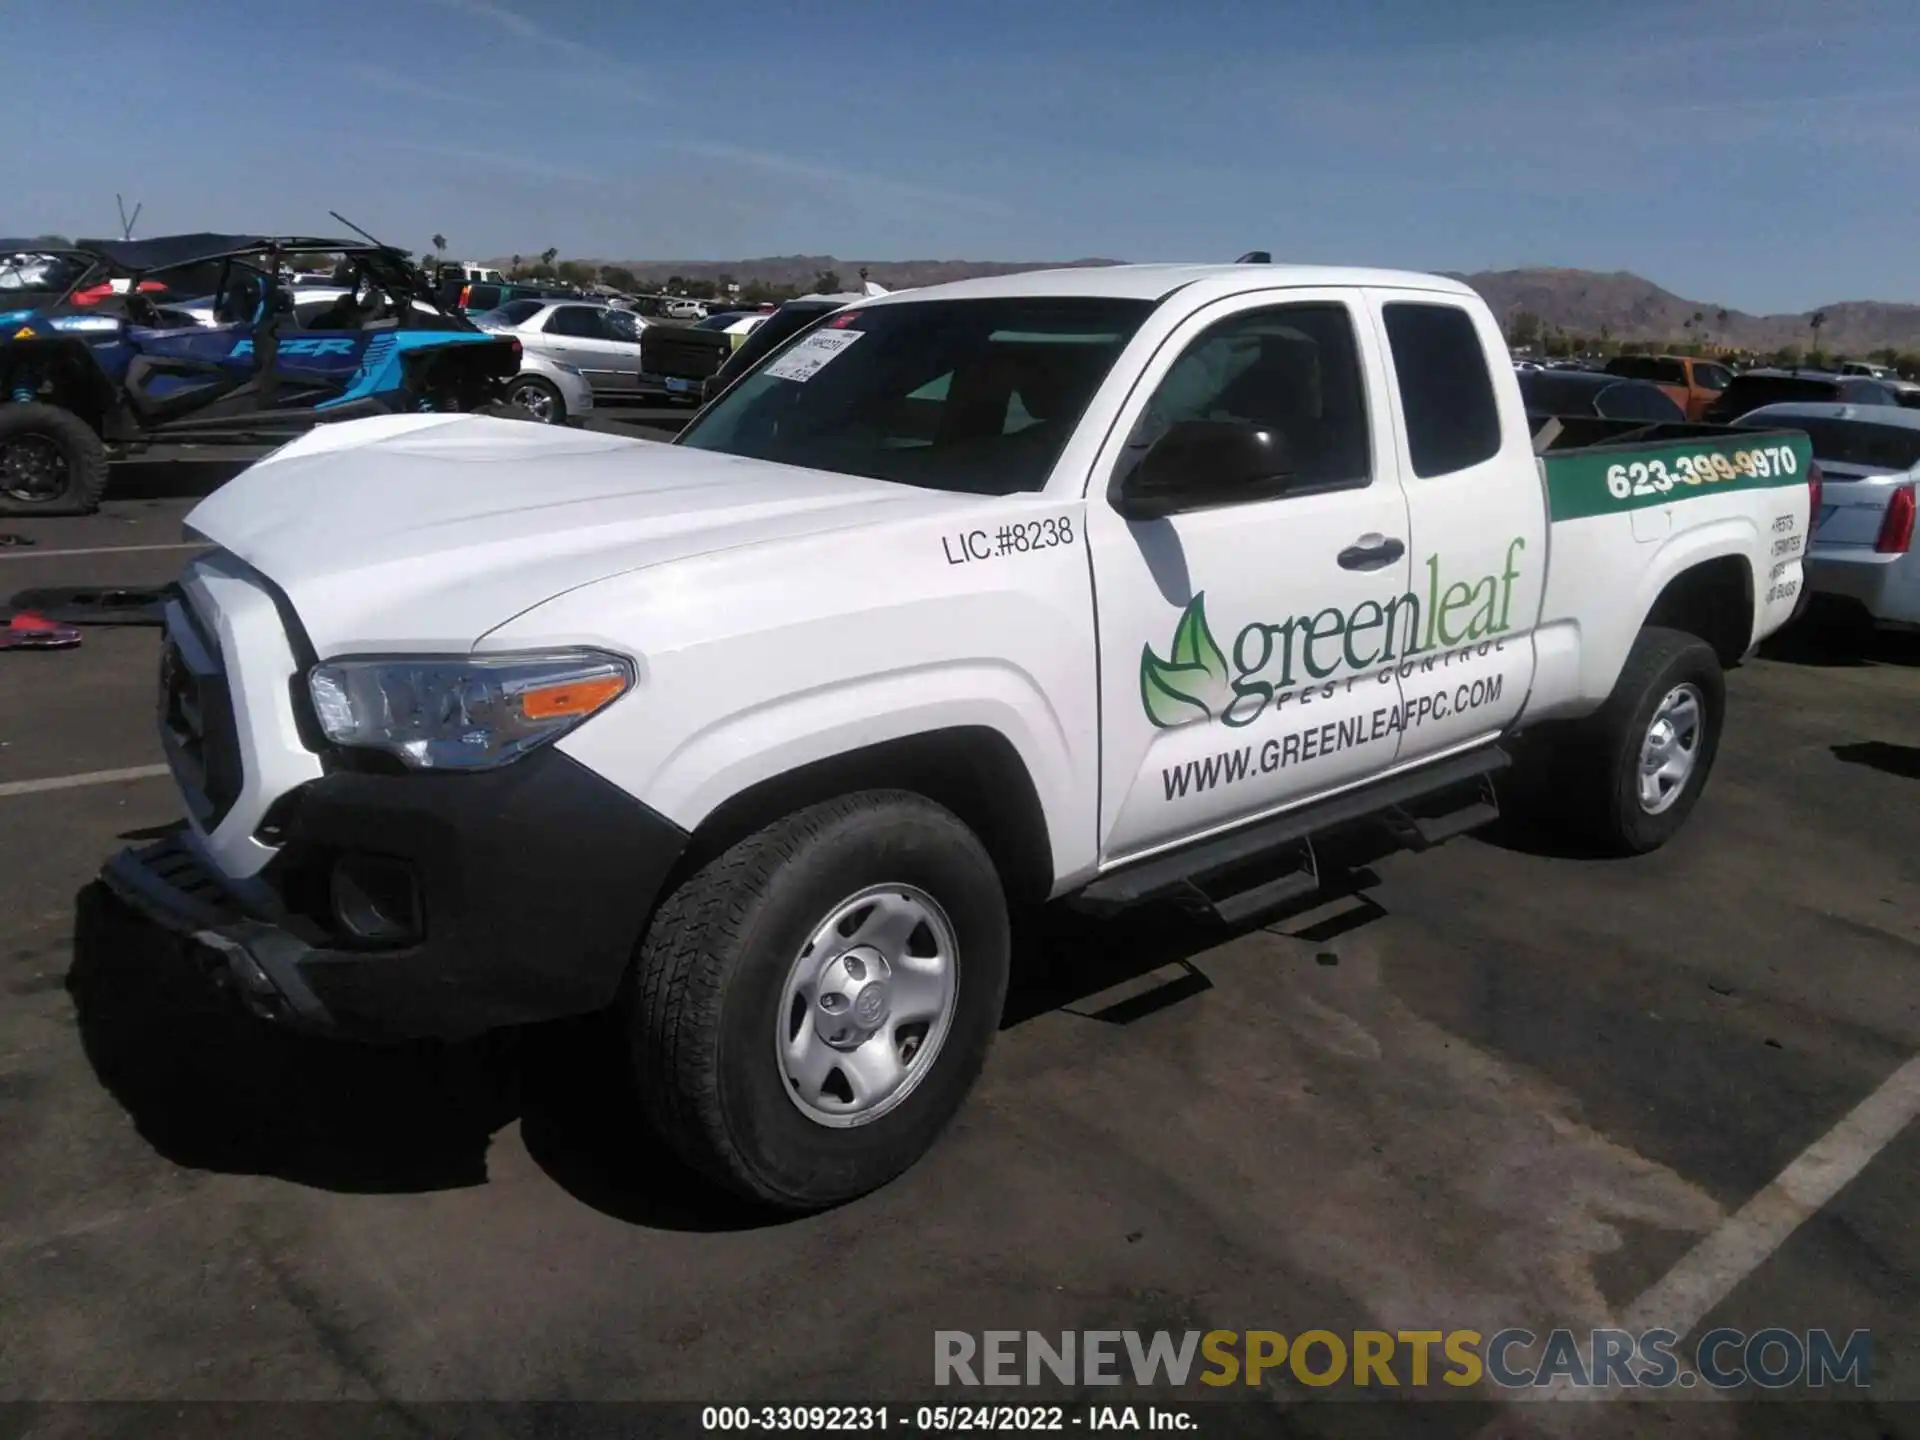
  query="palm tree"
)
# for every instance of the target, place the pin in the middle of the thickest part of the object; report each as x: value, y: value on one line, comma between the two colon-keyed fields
x: 513, y: 271
x: 546, y: 255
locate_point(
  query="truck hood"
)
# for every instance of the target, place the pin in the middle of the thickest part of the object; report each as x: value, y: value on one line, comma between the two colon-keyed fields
x: 422, y: 533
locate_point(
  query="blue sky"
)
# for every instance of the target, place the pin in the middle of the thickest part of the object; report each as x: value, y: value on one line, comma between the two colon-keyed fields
x: 1754, y: 153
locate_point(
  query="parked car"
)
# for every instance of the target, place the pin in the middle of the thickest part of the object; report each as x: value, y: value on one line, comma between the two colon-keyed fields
x: 677, y: 307
x: 598, y: 340
x: 1867, y: 368
x: 1861, y: 550
x: 760, y: 739
x: 1752, y: 389
x: 1579, y: 392
x: 1694, y: 384
x: 682, y: 358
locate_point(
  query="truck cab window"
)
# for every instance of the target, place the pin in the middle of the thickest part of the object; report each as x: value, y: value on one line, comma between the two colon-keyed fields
x: 1446, y: 394
x: 1294, y: 369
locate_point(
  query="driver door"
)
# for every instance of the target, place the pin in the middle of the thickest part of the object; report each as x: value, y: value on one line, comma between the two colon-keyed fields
x: 623, y: 353
x: 1248, y: 652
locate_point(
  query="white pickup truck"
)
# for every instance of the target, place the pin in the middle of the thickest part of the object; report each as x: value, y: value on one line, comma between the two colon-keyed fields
x: 1110, y: 584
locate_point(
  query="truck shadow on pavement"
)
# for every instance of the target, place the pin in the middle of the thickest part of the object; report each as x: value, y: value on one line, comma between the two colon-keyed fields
x: 211, y: 1088
x: 1841, y: 643
x: 194, y: 479
x: 1889, y: 759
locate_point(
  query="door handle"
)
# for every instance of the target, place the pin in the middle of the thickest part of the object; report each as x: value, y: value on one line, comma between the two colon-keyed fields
x: 1371, y: 552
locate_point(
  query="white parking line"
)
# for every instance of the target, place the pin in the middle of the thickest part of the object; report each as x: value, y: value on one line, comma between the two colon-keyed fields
x: 1745, y: 1241
x: 74, y: 782
x: 30, y: 554
x: 1708, y: 1273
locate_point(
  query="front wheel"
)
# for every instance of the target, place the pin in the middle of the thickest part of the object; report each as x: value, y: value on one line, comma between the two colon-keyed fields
x: 51, y: 462
x: 809, y: 1010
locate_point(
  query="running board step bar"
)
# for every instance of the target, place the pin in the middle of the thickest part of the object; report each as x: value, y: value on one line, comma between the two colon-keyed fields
x: 1418, y: 810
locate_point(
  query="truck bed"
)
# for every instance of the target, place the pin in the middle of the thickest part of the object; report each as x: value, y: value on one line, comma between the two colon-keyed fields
x: 1589, y: 464
x: 1615, y: 489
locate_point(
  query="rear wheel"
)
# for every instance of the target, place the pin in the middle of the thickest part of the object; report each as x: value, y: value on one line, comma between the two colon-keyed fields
x: 1637, y: 767
x: 809, y: 1010
x: 539, y: 398
x: 51, y: 462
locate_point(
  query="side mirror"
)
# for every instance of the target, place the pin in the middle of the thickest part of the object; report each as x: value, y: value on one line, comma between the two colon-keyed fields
x: 1199, y: 464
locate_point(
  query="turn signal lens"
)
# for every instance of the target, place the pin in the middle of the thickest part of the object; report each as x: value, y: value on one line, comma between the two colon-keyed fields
x: 580, y: 697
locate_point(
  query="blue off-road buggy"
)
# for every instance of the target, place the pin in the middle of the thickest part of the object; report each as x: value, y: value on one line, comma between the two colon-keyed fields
x: 110, y: 346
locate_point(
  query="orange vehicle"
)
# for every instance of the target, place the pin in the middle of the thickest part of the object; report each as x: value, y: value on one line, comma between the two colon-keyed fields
x: 1694, y: 384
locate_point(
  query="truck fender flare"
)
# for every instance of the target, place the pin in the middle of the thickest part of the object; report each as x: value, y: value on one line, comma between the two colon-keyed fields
x: 735, y: 753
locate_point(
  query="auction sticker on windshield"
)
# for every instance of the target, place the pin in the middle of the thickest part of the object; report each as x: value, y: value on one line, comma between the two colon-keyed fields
x: 804, y: 360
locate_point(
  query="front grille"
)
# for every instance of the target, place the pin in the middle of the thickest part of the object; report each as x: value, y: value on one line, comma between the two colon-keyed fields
x: 196, y: 719
x: 682, y: 354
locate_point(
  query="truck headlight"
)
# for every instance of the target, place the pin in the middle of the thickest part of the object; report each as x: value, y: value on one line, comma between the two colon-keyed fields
x: 463, y: 712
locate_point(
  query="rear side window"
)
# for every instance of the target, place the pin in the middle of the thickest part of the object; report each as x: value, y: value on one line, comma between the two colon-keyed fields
x: 1635, y: 367
x: 1446, y: 393
x: 1854, y: 443
x: 1867, y: 392
x: 1633, y: 400
x: 575, y: 320
x: 518, y: 312
x: 1711, y: 377
x: 1669, y: 372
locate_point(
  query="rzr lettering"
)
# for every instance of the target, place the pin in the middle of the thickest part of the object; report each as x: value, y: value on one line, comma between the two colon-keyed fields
x: 301, y: 347
x: 1197, y: 682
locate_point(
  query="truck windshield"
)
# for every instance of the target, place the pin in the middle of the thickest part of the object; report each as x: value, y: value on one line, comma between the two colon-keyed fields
x: 966, y: 395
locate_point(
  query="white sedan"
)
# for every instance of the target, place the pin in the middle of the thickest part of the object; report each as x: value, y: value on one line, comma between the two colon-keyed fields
x: 1861, y: 550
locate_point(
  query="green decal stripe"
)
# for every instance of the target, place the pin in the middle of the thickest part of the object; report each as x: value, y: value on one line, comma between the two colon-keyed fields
x: 1609, y: 480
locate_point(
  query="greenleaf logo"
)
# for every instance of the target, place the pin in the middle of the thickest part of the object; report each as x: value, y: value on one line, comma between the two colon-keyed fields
x: 1191, y: 684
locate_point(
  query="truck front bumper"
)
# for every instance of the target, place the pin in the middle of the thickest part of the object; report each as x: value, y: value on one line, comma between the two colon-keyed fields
x: 407, y: 906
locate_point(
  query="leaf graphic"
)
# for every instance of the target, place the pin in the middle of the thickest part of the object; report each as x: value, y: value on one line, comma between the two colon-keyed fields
x: 1173, y: 694
x: 1193, y: 643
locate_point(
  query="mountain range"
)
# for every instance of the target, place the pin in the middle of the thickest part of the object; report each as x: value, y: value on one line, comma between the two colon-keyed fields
x: 1584, y: 302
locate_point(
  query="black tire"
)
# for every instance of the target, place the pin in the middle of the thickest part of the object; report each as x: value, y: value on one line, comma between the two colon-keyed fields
x: 1599, y: 783
x: 706, y: 997
x: 51, y: 462
x: 544, y: 404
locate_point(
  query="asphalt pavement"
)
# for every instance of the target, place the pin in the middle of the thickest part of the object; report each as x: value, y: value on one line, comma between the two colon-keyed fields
x: 1491, y: 1085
